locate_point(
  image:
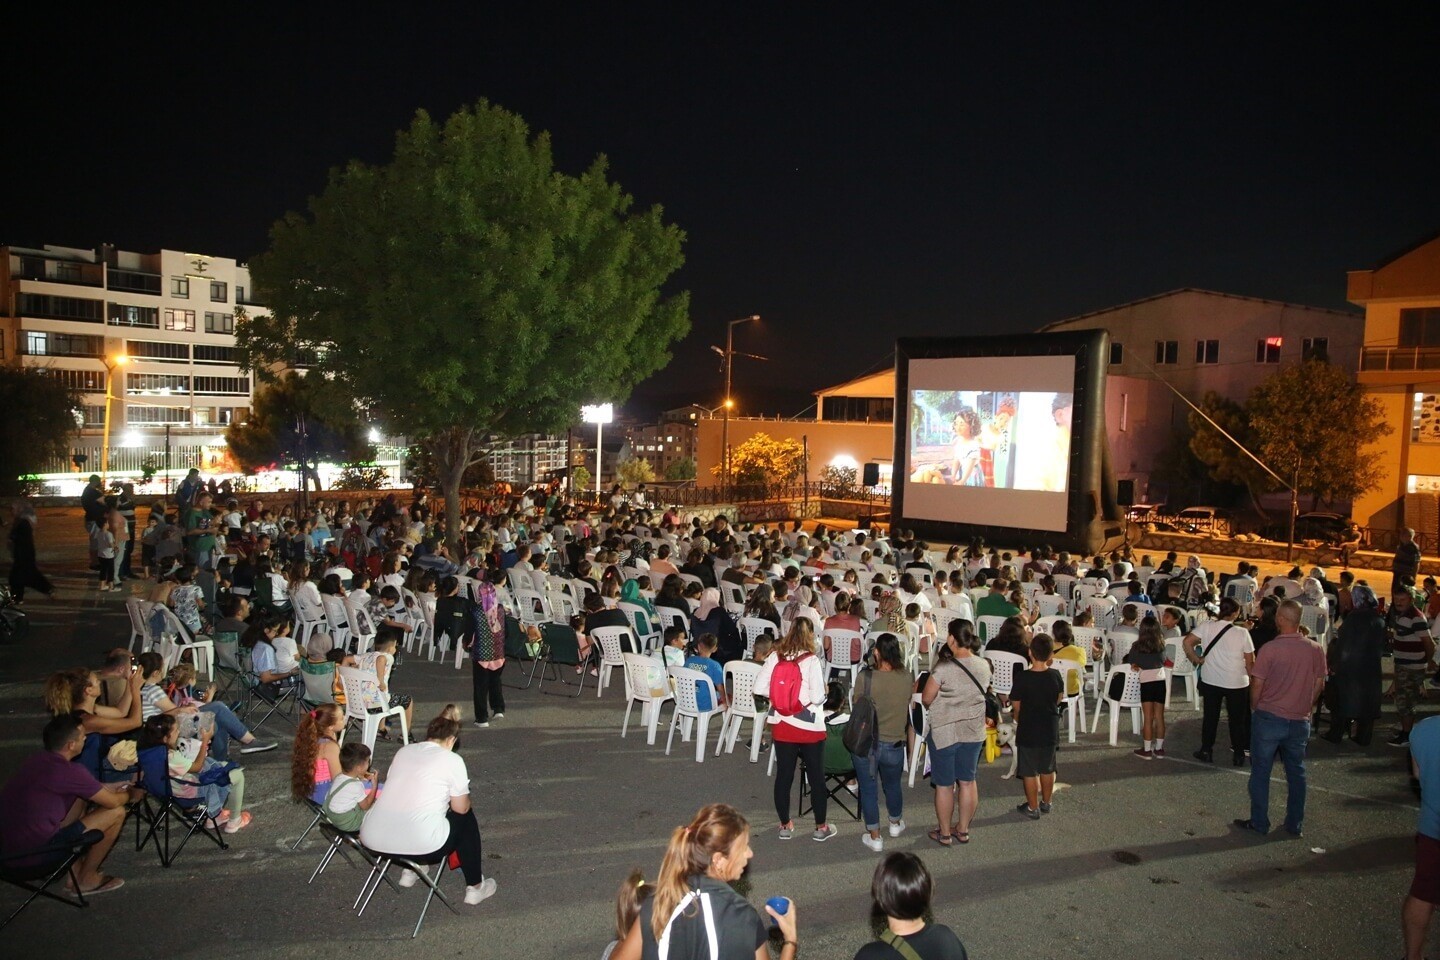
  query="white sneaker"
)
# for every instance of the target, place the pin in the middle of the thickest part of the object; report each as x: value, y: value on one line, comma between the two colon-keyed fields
x: 497, y: 716
x: 874, y: 843
x: 482, y: 724
x: 897, y: 827
x: 481, y: 891
x: 408, y: 878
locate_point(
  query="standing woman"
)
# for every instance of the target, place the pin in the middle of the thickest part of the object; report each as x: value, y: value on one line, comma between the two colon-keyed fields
x: 900, y: 895
x: 888, y: 685
x: 955, y: 697
x: 694, y: 913
x: 1355, y: 660
x: 797, y: 723
x: 24, y: 572
x: 487, y: 654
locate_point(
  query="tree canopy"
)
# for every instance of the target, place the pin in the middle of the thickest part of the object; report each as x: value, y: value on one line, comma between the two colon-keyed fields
x: 271, y: 435
x: 1308, y: 422
x: 763, y: 461
x: 38, y: 423
x: 467, y: 289
x: 634, y: 471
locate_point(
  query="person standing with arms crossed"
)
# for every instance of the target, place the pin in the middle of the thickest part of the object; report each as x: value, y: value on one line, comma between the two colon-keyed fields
x: 1223, y: 653
x: 1285, y: 683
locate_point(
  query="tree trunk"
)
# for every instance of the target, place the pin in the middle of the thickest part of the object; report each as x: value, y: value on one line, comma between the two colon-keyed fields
x: 451, y: 453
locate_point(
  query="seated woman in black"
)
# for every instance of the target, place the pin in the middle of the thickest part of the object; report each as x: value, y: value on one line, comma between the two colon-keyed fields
x: 762, y: 604
x: 712, y: 618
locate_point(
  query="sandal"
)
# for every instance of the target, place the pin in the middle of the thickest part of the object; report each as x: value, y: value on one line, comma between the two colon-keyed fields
x: 106, y: 885
x: 944, y: 839
x: 962, y: 837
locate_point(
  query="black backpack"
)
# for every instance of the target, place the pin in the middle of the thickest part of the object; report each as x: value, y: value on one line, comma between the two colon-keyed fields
x: 862, y: 730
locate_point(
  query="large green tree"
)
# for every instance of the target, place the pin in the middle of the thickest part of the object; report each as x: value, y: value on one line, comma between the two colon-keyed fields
x: 272, y: 435
x: 763, y: 461
x: 37, y: 424
x: 1309, y: 422
x: 468, y: 289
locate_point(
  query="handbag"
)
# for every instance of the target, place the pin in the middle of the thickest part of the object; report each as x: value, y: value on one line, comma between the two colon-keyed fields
x: 992, y: 702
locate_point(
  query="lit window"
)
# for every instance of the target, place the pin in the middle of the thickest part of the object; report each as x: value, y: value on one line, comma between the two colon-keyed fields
x: 1267, y: 349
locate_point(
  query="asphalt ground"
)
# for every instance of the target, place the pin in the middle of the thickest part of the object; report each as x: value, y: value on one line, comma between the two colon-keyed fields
x: 1138, y: 859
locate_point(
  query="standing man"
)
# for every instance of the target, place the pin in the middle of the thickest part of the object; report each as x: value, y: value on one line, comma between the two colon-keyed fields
x: 92, y: 501
x: 1224, y: 655
x: 1425, y: 887
x: 1406, y: 565
x: 199, y: 527
x: 125, y: 504
x: 189, y: 487
x: 1414, y: 651
x: 1288, y: 676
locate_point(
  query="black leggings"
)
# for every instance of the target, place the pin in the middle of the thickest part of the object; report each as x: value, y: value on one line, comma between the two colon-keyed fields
x: 488, y: 689
x: 464, y: 839
x: 814, y: 756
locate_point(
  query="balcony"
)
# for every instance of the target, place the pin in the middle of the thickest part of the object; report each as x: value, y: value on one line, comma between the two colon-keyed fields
x: 1399, y: 359
x: 132, y: 281
x: 56, y: 271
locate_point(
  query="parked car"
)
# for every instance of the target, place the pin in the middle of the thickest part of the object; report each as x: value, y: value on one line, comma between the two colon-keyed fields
x: 1326, y: 527
x: 1203, y: 519
x: 1144, y: 512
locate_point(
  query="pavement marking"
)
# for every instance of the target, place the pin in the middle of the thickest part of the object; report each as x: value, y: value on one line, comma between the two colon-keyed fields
x: 1245, y: 772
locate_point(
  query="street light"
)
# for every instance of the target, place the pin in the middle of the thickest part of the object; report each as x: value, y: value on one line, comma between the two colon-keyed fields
x: 598, y: 414
x: 111, y: 364
x: 729, y: 401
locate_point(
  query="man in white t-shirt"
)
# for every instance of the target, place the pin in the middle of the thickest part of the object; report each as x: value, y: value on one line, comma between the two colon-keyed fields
x: 1225, y: 653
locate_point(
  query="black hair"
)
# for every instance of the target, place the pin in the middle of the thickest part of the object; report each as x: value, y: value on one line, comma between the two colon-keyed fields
x: 353, y: 754
x: 389, y: 593
x: 887, y: 649
x: 901, y: 888
x: 156, y: 731
x: 673, y: 633
x: 1041, y: 646
x: 60, y: 731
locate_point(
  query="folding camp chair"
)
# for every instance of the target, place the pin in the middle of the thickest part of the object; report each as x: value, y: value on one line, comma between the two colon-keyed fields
x: 421, y: 867
x: 559, y: 647
x: 839, y: 770
x: 162, y: 808
x: 37, y: 870
x: 280, y: 698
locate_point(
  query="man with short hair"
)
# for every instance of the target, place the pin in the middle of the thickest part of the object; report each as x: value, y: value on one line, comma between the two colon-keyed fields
x: 1286, y: 681
x: 92, y: 502
x: 199, y: 526
x: 1406, y: 564
x: 1414, y: 652
x: 995, y: 603
x: 189, y: 487
x: 51, y: 799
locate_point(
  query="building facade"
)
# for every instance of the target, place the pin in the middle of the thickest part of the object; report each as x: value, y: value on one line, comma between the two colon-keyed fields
x: 668, y: 442
x: 74, y: 312
x: 528, y: 459
x: 1400, y: 368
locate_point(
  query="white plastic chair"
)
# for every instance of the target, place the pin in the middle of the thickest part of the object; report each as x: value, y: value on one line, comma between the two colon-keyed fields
x: 644, y: 630
x: 1317, y: 621
x: 740, y: 677
x: 1074, y: 706
x: 612, y: 652
x: 842, y: 652
x: 1129, y: 700
x: 1052, y: 605
x: 637, y: 690
x: 732, y: 592
x: 1046, y: 625
x: 1103, y: 610
x: 423, y: 635
x: 752, y: 629
x: 988, y: 626
x: 202, y: 651
x: 1243, y: 593
x: 688, y: 683
x: 1182, y: 669
x: 533, y: 612
x: 335, y: 619
x: 690, y: 578
x: 359, y: 625
x: 139, y: 632
x: 354, y: 681
x: 670, y: 617
x: 308, y: 619
x: 1003, y: 667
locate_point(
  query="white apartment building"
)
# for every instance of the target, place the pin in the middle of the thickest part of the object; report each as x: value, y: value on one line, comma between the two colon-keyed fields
x: 172, y: 315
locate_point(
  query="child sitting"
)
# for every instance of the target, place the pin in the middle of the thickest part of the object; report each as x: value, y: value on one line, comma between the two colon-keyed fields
x: 699, y: 656
x: 382, y: 662
x: 187, y: 599
x: 180, y: 687
x: 353, y: 793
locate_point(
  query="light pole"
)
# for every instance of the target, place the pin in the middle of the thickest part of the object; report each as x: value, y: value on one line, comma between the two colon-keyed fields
x: 598, y: 414
x: 111, y: 365
x: 729, y: 402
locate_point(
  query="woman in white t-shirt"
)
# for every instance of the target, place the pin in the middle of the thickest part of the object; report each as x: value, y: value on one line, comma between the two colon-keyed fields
x: 425, y: 811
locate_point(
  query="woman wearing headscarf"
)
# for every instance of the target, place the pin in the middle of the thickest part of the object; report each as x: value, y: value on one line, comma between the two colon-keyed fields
x: 1354, y: 660
x: 710, y: 617
x: 892, y: 615
x: 24, y: 571
x: 802, y: 599
x: 487, y: 653
x: 630, y: 593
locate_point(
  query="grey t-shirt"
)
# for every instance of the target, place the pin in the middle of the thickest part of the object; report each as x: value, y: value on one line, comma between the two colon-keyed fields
x: 958, y: 713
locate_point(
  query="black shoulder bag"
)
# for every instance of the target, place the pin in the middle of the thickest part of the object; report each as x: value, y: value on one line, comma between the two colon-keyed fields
x: 1206, y: 652
x: 992, y: 702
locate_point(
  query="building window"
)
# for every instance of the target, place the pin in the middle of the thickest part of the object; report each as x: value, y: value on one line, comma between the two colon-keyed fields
x: 94, y: 414
x: 136, y: 414
x: 63, y: 345
x: 219, y: 291
x: 60, y: 308
x: 1267, y: 349
x: 1315, y: 348
x: 162, y: 352
x: 1207, y: 351
x: 180, y: 320
x: 1117, y: 353
x: 180, y: 287
x: 156, y: 383
x: 208, y: 354
x: 222, y: 385
x: 126, y: 315
x: 1420, y: 327
x: 85, y: 381
x: 1167, y: 351
x: 219, y: 323
x: 67, y: 272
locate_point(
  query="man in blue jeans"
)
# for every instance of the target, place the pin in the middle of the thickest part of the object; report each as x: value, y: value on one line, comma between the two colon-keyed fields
x: 1285, y: 684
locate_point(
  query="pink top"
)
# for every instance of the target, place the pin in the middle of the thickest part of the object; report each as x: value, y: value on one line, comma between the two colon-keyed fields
x: 1288, y: 667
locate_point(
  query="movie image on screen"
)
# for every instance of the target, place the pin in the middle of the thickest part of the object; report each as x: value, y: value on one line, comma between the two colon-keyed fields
x: 1006, y: 440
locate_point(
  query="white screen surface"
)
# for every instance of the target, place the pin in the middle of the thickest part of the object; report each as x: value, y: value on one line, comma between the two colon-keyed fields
x: 988, y: 440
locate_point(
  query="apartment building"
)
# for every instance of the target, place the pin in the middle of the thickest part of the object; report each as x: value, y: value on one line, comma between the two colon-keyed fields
x: 75, y: 313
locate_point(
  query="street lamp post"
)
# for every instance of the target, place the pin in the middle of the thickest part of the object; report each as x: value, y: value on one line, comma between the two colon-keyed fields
x: 598, y: 414
x: 729, y: 402
x: 111, y: 365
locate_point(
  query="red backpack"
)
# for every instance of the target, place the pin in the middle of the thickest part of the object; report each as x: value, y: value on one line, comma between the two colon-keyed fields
x: 785, y: 686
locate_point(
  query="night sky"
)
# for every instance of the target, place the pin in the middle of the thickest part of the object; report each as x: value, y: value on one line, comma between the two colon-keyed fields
x: 851, y: 176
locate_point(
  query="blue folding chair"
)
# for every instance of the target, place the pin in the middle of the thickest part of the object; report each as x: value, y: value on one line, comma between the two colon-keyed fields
x: 37, y: 870
x: 162, y: 808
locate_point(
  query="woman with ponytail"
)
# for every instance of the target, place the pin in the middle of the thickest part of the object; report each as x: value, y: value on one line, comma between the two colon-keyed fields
x: 693, y: 912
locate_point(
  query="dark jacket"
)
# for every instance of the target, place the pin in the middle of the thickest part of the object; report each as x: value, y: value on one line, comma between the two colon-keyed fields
x: 1354, y: 659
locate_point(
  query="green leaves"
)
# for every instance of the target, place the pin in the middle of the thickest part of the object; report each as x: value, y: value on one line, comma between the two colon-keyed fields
x: 38, y: 422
